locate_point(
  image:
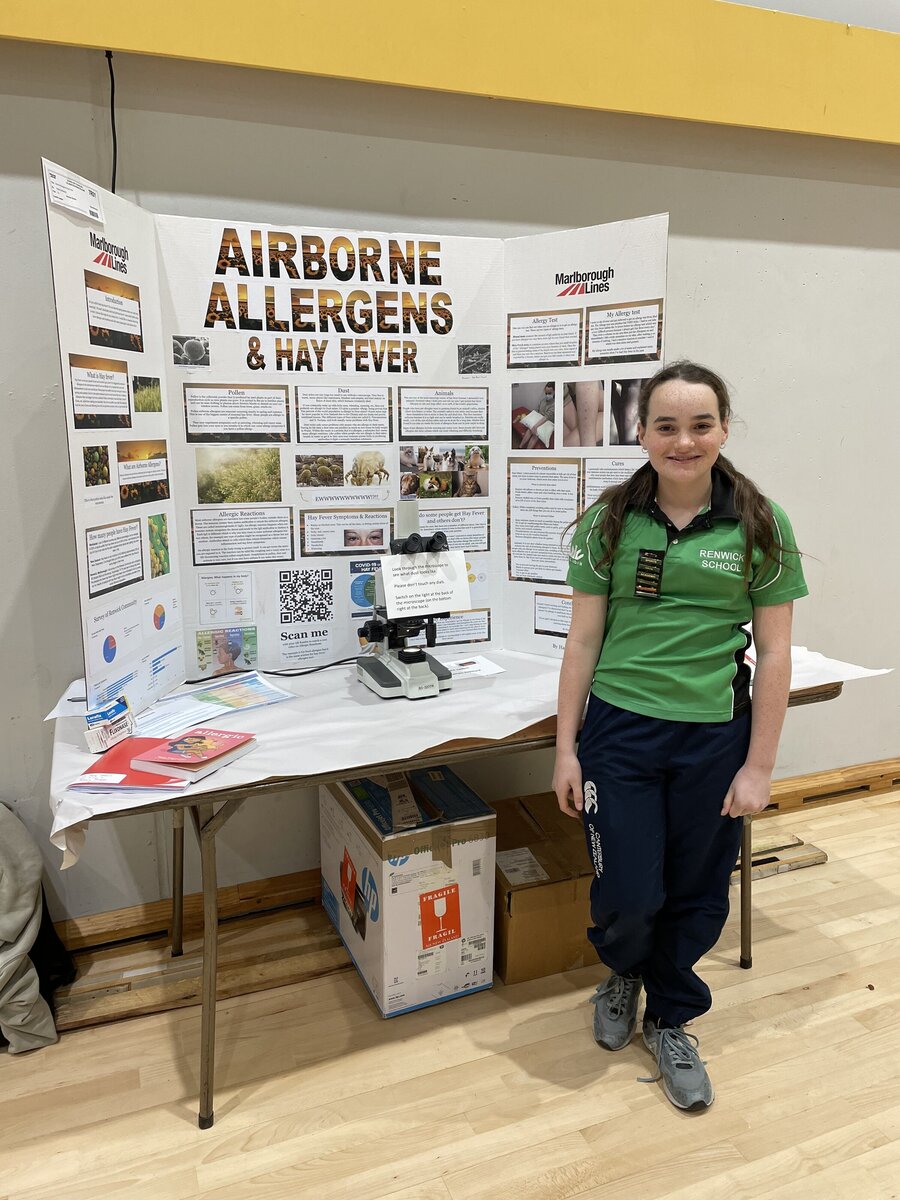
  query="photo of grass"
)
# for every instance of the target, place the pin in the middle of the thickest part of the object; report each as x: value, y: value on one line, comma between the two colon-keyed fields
x: 232, y: 475
x: 158, y: 532
x: 146, y: 393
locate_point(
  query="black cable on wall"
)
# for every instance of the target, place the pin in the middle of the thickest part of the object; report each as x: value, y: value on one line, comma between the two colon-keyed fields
x: 112, y: 118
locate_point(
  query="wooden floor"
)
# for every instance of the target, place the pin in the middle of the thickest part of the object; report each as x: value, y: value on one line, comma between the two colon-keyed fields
x: 504, y: 1094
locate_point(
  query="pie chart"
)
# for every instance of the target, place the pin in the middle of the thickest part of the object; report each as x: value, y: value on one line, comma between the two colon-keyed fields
x: 159, y: 616
x: 109, y: 648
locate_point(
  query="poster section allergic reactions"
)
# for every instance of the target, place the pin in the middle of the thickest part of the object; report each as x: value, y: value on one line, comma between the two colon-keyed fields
x: 254, y: 411
x: 328, y: 368
x: 585, y: 316
x: 117, y: 413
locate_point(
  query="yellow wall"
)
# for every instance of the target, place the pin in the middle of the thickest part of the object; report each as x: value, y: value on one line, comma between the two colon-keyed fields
x: 697, y: 60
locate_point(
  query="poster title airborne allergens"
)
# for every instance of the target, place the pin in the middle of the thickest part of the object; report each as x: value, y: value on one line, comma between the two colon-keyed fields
x: 358, y: 288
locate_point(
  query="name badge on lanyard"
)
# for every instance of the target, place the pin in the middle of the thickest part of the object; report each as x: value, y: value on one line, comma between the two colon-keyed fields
x: 648, y: 577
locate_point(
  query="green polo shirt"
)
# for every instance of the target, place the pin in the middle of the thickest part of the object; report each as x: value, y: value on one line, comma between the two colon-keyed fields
x: 679, y: 602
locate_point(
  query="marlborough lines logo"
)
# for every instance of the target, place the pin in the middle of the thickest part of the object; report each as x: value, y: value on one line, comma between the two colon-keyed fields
x: 115, y: 258
x: 581, y: 283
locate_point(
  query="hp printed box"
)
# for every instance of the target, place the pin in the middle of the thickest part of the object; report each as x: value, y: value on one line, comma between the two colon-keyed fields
x: 408, y: 882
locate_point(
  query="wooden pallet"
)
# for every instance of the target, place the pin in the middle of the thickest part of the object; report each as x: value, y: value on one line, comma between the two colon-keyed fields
x: 255, y: 952
x: 793, y: 858
x: 833, y: 787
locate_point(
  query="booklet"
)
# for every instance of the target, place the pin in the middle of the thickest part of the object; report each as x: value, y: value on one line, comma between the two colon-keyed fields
x: 194, y: 754
x: 113, y: 772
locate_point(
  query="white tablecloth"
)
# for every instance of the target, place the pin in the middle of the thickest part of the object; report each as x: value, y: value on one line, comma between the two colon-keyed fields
x: 335, y: 723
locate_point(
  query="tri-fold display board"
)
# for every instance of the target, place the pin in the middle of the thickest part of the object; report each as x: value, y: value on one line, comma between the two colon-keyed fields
x: 248, y: 405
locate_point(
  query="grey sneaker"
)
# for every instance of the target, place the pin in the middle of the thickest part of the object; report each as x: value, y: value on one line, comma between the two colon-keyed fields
x: 679, y: 1067
x: 615, y: 1011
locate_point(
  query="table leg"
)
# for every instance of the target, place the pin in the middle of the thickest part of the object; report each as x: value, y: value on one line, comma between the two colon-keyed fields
x: 746, y: 893
x: 177, y: 882
x: 203, y: 814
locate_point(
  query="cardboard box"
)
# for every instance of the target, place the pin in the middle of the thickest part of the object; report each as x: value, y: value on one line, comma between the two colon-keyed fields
x: 413, y: 907
x: 542, y: 905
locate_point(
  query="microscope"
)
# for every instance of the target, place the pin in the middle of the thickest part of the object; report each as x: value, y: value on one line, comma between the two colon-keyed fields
x: 394, y: 668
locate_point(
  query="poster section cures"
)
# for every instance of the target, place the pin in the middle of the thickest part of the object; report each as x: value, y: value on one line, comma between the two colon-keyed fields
x: 585, y: 318
x: 249, y: 406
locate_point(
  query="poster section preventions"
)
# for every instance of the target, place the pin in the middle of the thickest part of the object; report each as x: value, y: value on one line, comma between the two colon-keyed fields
x: 620, y: 333
x: 550, y: 338
x: 343, y: 414
x: 544, y: 499
x: 216, y: 413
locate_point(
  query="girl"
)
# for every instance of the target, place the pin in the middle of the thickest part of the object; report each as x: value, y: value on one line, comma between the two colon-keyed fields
x: 667, y: 570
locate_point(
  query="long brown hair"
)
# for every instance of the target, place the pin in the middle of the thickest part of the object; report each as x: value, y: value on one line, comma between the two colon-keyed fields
x: 640, y: 490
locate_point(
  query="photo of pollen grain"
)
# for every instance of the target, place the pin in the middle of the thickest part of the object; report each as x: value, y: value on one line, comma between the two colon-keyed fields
x: 190, y: 351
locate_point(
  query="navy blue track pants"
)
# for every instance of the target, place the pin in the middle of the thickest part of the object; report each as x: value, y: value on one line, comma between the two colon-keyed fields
x: 662, y: 853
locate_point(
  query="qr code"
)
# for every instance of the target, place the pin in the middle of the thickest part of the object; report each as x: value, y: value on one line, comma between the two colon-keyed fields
x: 306, y: 595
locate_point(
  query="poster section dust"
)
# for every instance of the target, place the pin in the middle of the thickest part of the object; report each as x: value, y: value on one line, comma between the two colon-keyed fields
x: 449, y: 413
x: 552, y: 614
x: 327, y: 415
x: 238, y: 475
x: 346, y: 531
x: 543, y: 500
x: 115, y: 556
x: 100, y: 396
x: 190, y: 350
x: 146, y: 393
x: 238, y: 534
x: 113, y: 312
x: 583, y: 412
x: 544, y: 339
x: 533, y: 415
x: 617, y: 333
x: 232, y: 413
x: 143, y: 472
x: 224, y: 596
x: 221, y: 651
x: 466, y: 528
x: 601, y: 473
x: 305, y: 615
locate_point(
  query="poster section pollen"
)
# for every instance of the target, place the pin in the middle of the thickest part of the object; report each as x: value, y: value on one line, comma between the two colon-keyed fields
x: 585, y: 315
x: 249, y: 405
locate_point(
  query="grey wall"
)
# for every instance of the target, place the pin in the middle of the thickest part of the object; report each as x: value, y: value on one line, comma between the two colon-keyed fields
x: 784, y: 273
